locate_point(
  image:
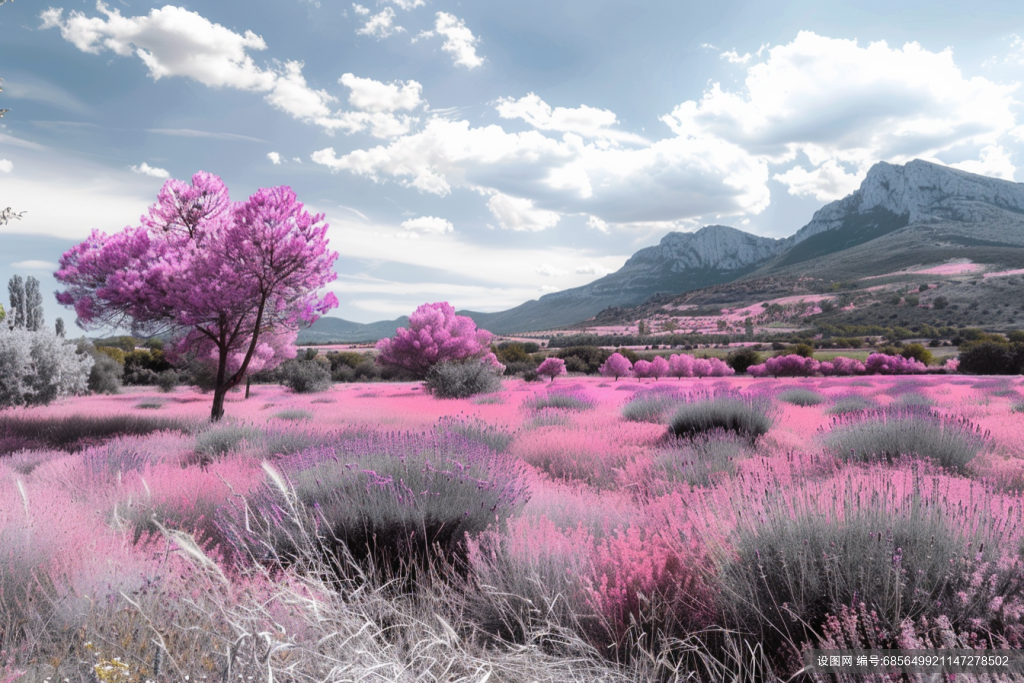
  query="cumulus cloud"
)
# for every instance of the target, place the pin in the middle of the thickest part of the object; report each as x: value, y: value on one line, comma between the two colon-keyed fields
x: 370, y: 95
x: 668, y: 180
x: 548, y: 270
x: 992, y: 161
x: 459, y: 41
x: 172, y: 41
x: 586, y: 121
x: 275, y: 158
x: 360, y: 10
x: 592, y: 269
x: 826, y: 183
x: 408, y: 4
x: 6, y: 165
x: 520, y: 215
x: 429, y: 225
x: 151, y: 171
x: 814, y: 114
x: 381, y: 25
x: 837, y: 102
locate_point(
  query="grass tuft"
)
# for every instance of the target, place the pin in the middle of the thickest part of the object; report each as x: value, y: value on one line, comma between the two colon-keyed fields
x: 888, y: 435
x: 801, y: 397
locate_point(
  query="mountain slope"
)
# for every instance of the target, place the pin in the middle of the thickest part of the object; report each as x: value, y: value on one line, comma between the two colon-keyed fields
x: 915, y: 214
x: 680, y: 263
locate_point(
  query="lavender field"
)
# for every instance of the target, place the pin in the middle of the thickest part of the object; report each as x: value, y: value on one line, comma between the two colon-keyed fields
x: 545, y: 531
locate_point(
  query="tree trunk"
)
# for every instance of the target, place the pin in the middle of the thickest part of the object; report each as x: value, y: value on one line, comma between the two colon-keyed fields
x: 217, y: 412
x: 248, y: 383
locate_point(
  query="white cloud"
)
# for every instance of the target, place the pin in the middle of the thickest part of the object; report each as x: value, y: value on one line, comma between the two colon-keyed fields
x: 377, y: 124
x: 515, y: 213
x: 274, y: 157
x: 597, y: 224
x: 835, y: 101
x: 458, y: 40
x: 6, y: 165
x: 428, y: 225
x: 173, y: 41
x: 408, y: 4
x: 592, y: 269
x: 548, y: 270
x: 993, y: 161
x: 292, y: 95
x: 381, y: 25
x: 35, y: 265
x: 735, y: 58
x: 360, y: 10
x: 586, y: 121
x: 151, y: 171
x: 370, y: 95
x: 826, y: 183
x: 668, y: 180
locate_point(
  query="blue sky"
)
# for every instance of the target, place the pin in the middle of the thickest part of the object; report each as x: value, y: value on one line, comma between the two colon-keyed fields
x: 487, y: 153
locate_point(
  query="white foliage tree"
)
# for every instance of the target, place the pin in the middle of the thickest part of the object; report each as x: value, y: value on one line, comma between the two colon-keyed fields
x: 37, y: 367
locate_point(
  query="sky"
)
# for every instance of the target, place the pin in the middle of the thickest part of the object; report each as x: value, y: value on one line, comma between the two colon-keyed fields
x: 488, y: 153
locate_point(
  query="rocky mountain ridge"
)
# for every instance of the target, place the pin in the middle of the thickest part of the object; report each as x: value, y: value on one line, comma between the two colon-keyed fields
x: 892, y: 198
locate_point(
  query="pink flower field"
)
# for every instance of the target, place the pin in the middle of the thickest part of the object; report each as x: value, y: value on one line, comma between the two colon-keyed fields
x: 599, y: 523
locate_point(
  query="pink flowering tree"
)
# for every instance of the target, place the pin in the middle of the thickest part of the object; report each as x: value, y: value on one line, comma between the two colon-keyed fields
x: 436, y: 334
x: 680, y: 365
x: 642, y: 369
x: 551, y: 367
x: 616, y: 366
x: 659, y: 368
x: 884, y: 364
x: 230, y: 282
x: 717, y: 367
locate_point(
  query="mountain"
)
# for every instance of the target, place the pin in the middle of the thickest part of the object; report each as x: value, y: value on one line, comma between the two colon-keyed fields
x: 902, y: 215
x: 329, y: 329
x: 680, y: 263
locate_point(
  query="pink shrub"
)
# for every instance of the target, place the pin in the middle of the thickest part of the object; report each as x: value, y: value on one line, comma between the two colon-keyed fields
x: 616, y: 366
x: 659, y: 367
x: 951, y: 365
x: 716, y: 367
x: 642, y: 579
x: 884, y: 364
x: 701, y: 367
x: 435, y: 334
x: 680, y: 365
x: 551, y: 367
x: 642, y: 369
x: 785, y: 366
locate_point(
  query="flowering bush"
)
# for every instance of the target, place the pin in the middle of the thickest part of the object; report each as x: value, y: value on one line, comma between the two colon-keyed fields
x: 884, y: 364
x: 435, y: 334
x: 551, y: 368
x: 680, y: 365
x: 616, y: 366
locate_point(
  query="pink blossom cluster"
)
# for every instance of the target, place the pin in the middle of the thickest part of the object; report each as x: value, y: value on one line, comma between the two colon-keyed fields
x: 436, y: 334
x: 884, y: 364
x: 841, y: 366
x: 876, y: 364
x: 791, y: 365
x: 683, y: 365
x: 551, y: 367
